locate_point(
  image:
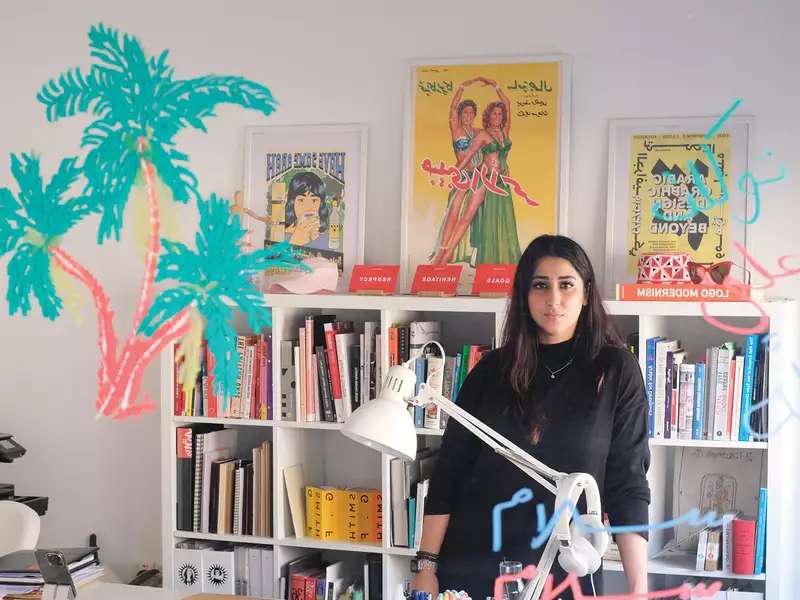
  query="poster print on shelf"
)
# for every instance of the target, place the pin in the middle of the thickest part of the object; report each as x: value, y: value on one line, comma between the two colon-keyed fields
x: 306, y: 185
x: 657, y: 169
x: 485, y: 160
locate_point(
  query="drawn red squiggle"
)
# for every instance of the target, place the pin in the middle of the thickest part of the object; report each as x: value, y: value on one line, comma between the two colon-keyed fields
x: 684, y: 591
x: 462, y: 181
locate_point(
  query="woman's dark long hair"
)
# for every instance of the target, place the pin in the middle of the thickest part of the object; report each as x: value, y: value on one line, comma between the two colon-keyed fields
x: 302, y: 183
x: 520, y: 344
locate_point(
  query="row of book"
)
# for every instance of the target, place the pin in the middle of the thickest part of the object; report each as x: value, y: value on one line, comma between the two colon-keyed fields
x: 709, y: 400
x: 409, y: 489
x: 252, y: 396
x: 328, y: 371
x: 737, y: 546
x: 243, y: 570
x: 352, y: 515
x: 309, y: 577
x: 218, y: 492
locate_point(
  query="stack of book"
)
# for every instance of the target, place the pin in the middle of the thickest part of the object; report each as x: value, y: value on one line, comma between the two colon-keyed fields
x: 245, y: 570
x: 711, y: 399
x: 252, y: 397
x: 329, y: 371
x: 409, y: 488
x: 19, y: 571
x: 311, y: 578
x: 217, y: 492
x: 737, y: 546
x: 352, y: 515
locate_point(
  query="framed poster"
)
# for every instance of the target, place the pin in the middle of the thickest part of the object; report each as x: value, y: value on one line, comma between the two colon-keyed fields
x: 485, y: 160
x: 672, y: 189
x: 306, y: 185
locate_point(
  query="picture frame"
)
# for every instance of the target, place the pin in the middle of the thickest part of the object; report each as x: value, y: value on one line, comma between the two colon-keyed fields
x: 286, y: 166
x: 444, y: 223
x: 649, y: 162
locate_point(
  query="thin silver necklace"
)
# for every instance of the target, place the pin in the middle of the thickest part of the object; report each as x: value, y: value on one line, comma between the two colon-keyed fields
x: 557, y: 371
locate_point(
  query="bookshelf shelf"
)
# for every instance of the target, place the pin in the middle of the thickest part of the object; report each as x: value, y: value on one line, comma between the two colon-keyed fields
x: 224, y: 421
x: 680, y: 565
x: 217, y: 537
x: 710, y: 444
x: 331, y: 459
x: 325, y: 545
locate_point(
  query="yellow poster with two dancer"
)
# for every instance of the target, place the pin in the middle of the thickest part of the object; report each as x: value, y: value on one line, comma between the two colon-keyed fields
x: 484, y: 161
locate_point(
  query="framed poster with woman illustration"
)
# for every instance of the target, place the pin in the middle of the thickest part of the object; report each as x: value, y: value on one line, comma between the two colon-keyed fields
x: 306, y: 185
x: 677, y: 187
x: 485, y: 160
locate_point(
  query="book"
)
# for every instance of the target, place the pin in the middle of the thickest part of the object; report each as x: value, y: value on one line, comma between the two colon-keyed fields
x: 184, y: 473
x: 218, y: 445
x: 700, y: 557
x: 681, y: 292
x: 744, y: 546
x: 761, y: 532
x: 748, y: 376
x: 698, y: 413
x: 650, y: 382
x: 712, y: 550
x: 288, y: 381
x: 727, y: 541
x: 660, y: 409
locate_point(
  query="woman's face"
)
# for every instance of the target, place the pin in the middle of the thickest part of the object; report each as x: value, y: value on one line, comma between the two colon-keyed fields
x: 555, y: 299
x: 306, y: 206
x: 496, y: 117
x: 467, y: 116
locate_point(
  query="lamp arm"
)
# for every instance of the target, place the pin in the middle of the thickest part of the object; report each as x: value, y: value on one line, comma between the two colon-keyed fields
x: 532, y: 467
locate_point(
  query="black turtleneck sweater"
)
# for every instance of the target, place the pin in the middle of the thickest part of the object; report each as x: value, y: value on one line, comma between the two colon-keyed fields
x: 602, y: 434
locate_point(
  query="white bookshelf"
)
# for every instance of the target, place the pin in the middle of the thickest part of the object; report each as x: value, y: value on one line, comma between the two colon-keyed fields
x: 330, y: 458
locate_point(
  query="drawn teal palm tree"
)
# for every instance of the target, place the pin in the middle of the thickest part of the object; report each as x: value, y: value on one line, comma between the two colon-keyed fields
x: 140, y: 109
x: 32, y: 225
x: 212, y: 280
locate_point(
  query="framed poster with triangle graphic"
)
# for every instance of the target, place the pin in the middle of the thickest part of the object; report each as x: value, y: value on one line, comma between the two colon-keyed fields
x: 677, y: 186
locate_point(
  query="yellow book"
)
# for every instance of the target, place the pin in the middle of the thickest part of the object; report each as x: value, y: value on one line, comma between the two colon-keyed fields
x: 340, y: 514
x: 376, y: 502
x: 313, y: 512
x: 351, y: 516
x: 365, y: 517
x: 329, y: 519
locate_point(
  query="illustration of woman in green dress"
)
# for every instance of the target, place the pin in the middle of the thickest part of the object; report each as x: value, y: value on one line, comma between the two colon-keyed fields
x: 490, y: 213
x: 462, y: 132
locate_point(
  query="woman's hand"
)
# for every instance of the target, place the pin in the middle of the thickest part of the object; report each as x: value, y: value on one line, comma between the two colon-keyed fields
x: 426, y: 581
x: 305, y: 232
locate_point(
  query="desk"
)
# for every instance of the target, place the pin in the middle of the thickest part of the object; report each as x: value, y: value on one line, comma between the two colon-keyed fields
x: 116, y: 591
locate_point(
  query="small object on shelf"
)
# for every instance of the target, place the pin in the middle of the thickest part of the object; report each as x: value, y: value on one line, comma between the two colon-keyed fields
x: 663, y: 267
x: 493, y: 281
x: 322, y: 278
x: 379, y: 280
x: 436, y: 280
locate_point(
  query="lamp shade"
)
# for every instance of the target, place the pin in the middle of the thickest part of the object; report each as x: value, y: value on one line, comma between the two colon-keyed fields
x: 385, y: 423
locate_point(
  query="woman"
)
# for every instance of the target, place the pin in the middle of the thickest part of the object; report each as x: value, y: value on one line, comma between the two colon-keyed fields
x: 564, y: 389
x: 307, y: 213
x: 490, y: 213
x: 462, y: 132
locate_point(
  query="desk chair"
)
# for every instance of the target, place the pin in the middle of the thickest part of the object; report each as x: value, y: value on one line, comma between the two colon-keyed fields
x: 19, y: 527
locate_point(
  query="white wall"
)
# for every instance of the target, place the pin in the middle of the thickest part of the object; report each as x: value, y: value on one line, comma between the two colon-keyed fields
x: 344, y: 62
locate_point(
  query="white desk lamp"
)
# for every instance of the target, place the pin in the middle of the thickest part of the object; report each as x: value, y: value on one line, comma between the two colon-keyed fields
x: 386, y: 425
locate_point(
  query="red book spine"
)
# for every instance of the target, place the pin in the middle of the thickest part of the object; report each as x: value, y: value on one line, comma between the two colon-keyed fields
x: 212, y: 396
x: 255, y: 380
x: 333, y: 360
x: 394, y: 351
x: 311, y: 587
x: 178, y: 397
x: 744, y: 546
x: 298, y: 587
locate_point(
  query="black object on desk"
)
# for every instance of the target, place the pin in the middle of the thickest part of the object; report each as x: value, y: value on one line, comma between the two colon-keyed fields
x: 9, y: 451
